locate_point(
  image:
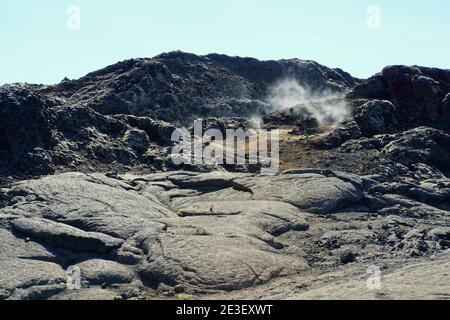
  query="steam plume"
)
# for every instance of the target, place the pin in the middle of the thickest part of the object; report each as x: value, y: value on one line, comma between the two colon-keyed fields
x: 327, y: 107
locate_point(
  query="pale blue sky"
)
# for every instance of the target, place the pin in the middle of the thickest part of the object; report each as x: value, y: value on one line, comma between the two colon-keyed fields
x: 37, y: 47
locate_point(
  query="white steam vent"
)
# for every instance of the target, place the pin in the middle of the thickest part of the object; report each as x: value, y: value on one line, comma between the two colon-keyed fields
x: 328, y: 108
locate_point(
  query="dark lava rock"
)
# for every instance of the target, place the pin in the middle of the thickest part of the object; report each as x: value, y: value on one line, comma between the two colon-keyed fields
x: 200, y: 233
x: 179, y: 86
x: 417, y: 93
x: 124, y: 115
x: 288, y: 117
x: 376, y: 117
x: 25, y: 130
x: 348, y: 130
x: 348, y: 257
x: 137, y: 140
x: 308, y: 126
x: 422, y: 145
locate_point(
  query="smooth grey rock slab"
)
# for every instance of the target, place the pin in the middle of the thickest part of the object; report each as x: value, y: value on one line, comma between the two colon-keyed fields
x: 214, y: 262
x: 28, y: 270
x: 90, y: 202
x: 105, y: 272
x: 63, y: 236
x: 314, y: 193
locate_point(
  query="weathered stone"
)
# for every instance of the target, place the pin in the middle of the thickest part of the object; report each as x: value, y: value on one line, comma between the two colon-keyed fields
x: 213, y: 231
x: 415, y: 91
x: 87, y: 294
x: 28, y: 270
x: 311, y: 192
x: 213, y: 262
x: 376, y: 117
x: 421, y: 145
x: 104, y: 272
x: 348, y: 130
x: 64, y: 236
x: 137, y: 140
x: 179, y: 234
x: 441, y: 233
x: 92, y: 203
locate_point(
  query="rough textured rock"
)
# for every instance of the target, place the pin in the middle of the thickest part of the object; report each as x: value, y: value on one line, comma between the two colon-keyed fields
x: 420, y: 280
x: 123, y: 116
x: 99, y: 120
x: 421, y: 145
x: 417, y: 93
x: 446, y: 109
x: 348, y: 130
x: 141, y: 236
x: 219, y: 262
x: 289, y: 117
x: 179, y: 86
x: 93, y: 203
x: 88, y: 294
x: 137, y: 140
x: 376, y: 117
x: 212, y: 245
x: 297, y: 116
x: 24, y: 129
x: 28, y: 270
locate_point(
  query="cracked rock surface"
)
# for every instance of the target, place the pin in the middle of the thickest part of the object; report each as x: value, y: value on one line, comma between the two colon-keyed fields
x: 201, y: 234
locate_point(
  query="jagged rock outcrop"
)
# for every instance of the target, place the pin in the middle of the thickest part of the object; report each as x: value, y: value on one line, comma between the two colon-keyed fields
x: 177, y: 86
x: 25, y: 134
x: 417, y: 93
x: 343, y: 132
x: 41, y: 135
x: 115, y: 117
x: 421, y: 152
x: 376, y: 117
x: 297, y: 116
x: 422, y: 145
